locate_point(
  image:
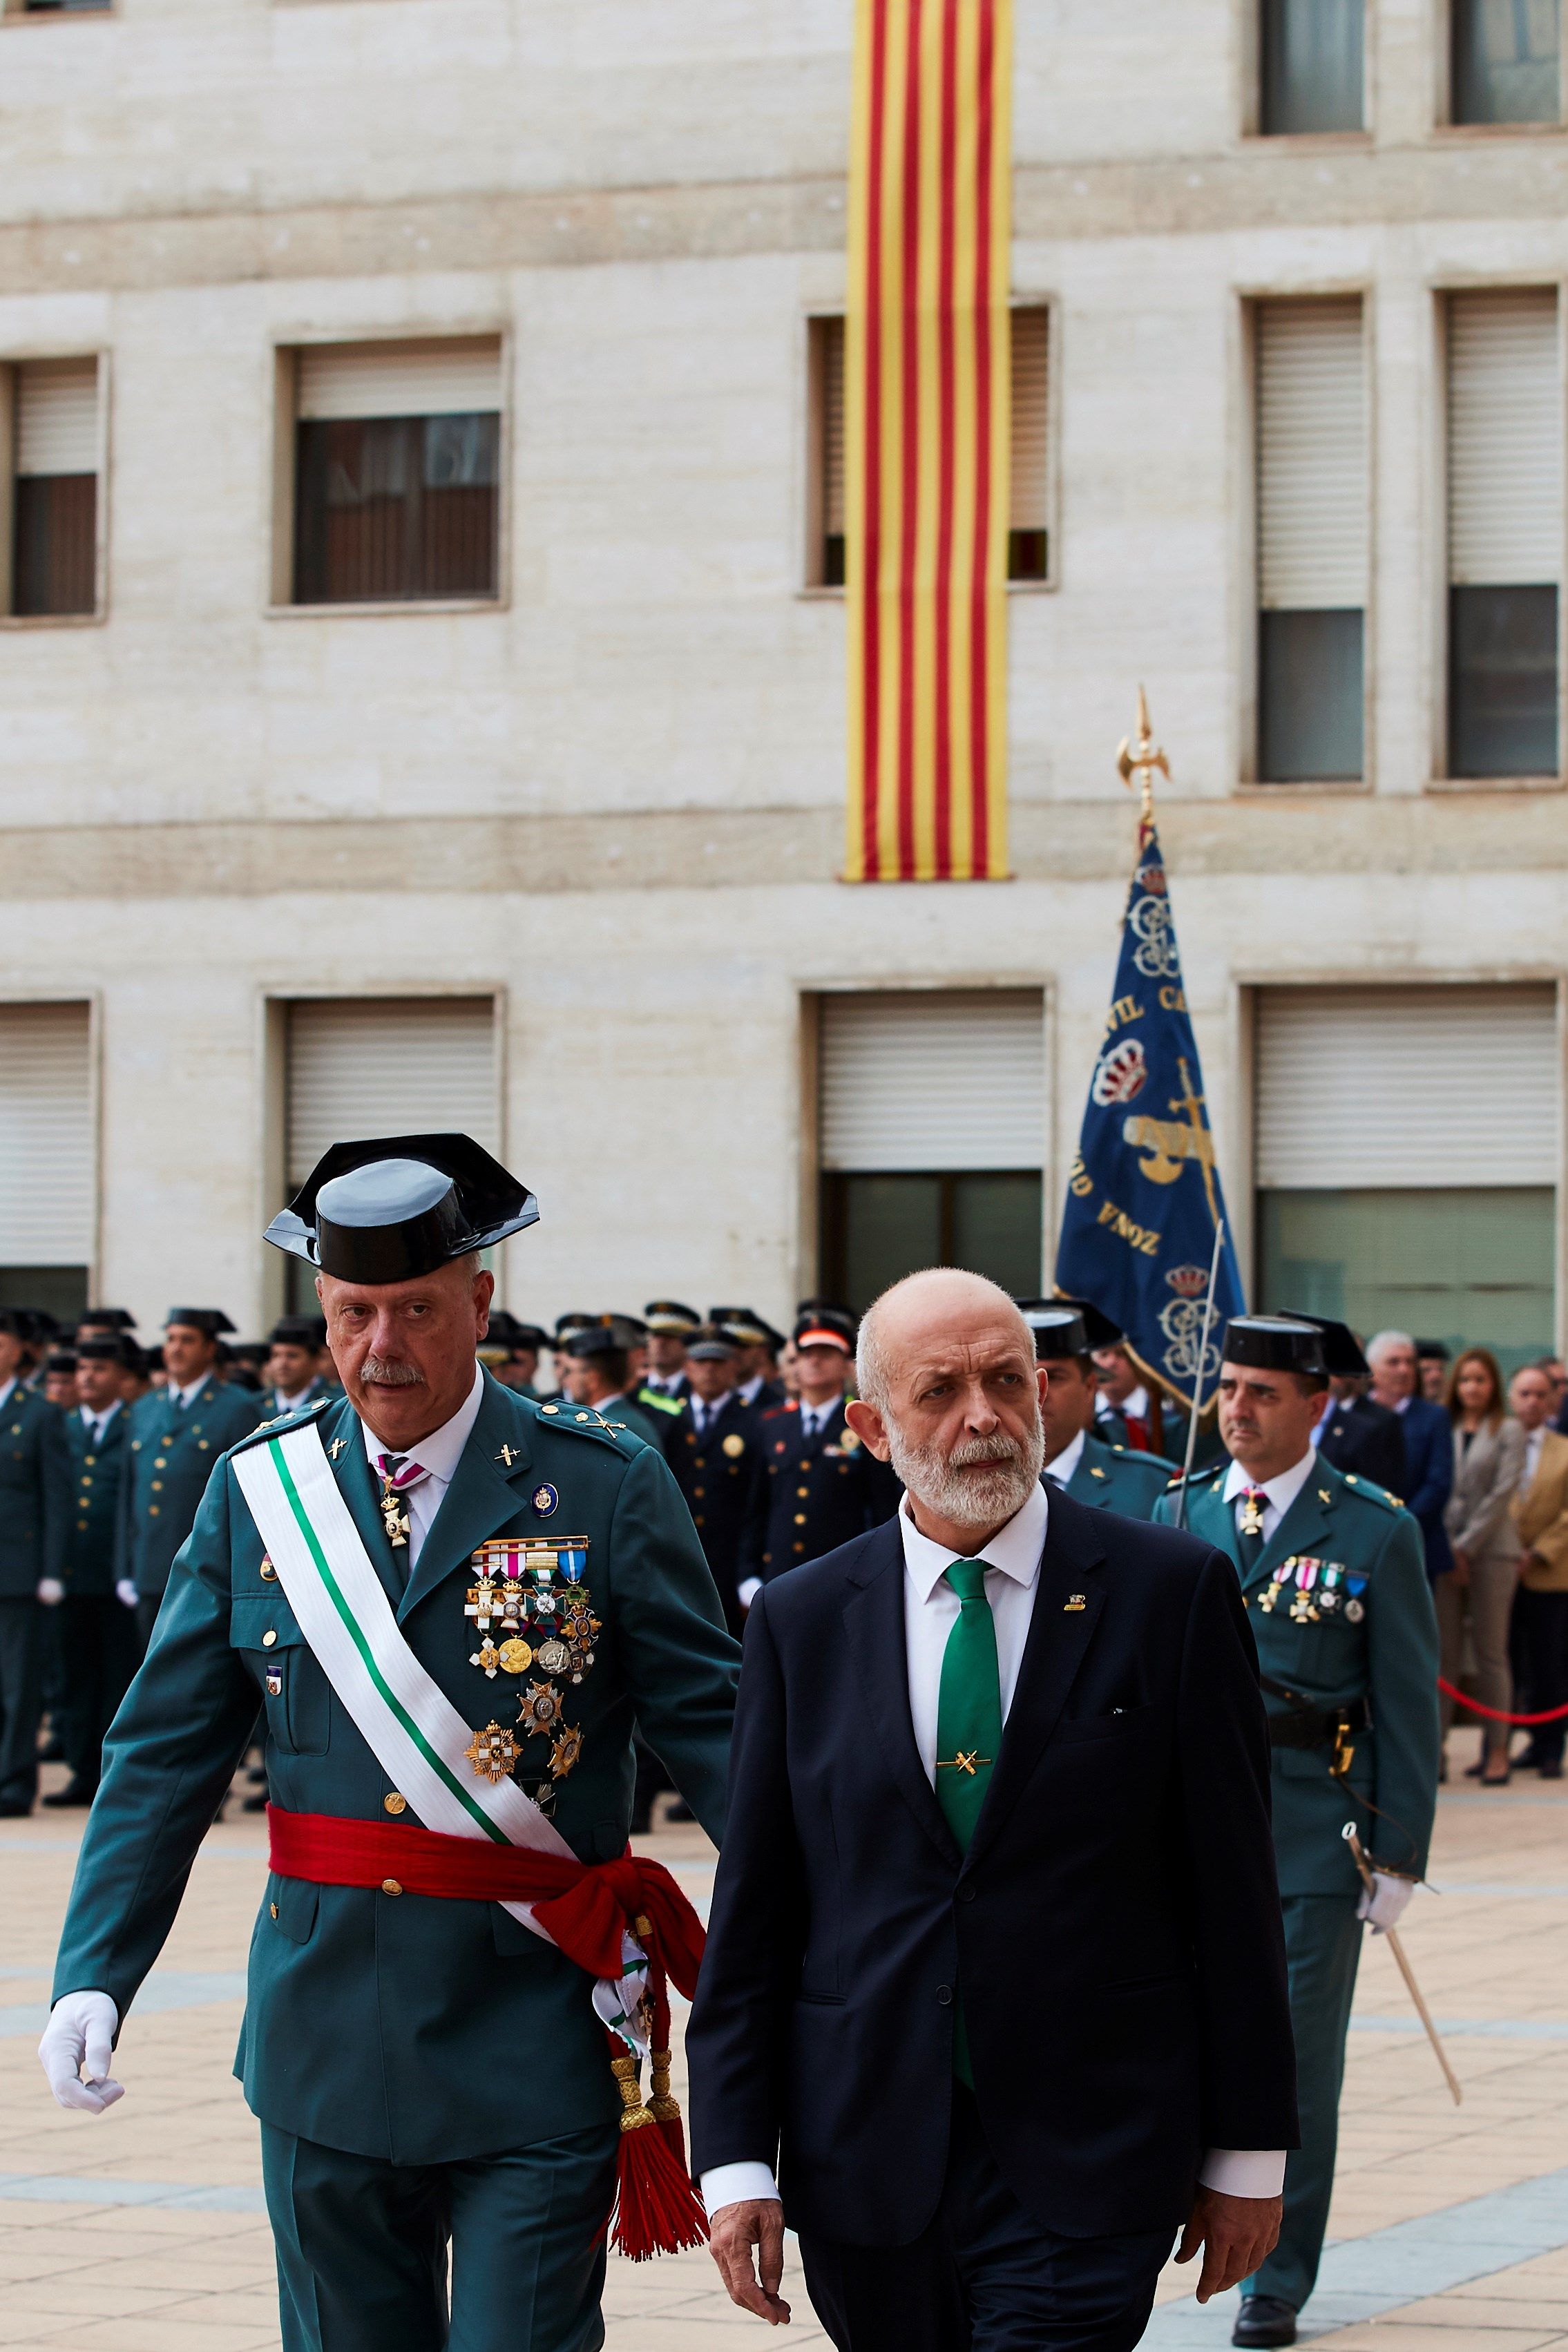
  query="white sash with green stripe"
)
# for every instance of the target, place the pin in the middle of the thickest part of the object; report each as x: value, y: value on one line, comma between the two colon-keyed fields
x: 407, y: 1720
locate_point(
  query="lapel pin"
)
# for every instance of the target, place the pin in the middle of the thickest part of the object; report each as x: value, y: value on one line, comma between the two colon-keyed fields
x: 506, y: 1457
x: 1074, y: 1601
x: 1324, y: 1496
x: 336, y: 1447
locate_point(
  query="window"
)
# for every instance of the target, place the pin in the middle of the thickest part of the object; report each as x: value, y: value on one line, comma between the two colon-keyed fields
x: 379, y: 1066
x: 1312, y: 60
x: 1505, y: 61
x: 55, y: 8
x: 1505, y: 531
x: 1311, y: 540
x: 396, y: 461
x: 1379, y: 1197
x: 53, y: 485
x: 1028, y: 532
x: 47, y: 1186
x: 932, y: 1116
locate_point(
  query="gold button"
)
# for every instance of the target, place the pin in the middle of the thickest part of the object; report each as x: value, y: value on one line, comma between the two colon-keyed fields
x: 581, y: 1416
x: 390, y: 1886
x: 157, y: 1485
x: 803, y: 1492
x: 549, y: 1408
x: 151, y: 1510
x: 800, y: 1518
x: 269, y: 1571
x: 394, y: 1803
x: 161, y: 1461
x: 269, y: 1638
x: 273, y: 1908
x: 82, y: 1527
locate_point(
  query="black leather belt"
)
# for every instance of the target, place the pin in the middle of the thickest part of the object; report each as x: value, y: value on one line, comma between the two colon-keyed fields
x: 1306, y: 1725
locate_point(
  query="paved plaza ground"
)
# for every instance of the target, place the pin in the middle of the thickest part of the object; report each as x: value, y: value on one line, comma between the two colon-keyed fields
x: 144, y: 2231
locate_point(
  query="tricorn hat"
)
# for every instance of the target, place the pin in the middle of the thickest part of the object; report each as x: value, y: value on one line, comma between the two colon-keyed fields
x: 1342, y: 1357
x: 1053, y: 1322
x: 396, y: 1206
x: 1275, y: 1343
x: 209, y: 1320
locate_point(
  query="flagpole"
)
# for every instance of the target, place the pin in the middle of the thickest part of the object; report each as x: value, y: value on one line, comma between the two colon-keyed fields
x: 1199, y: 1379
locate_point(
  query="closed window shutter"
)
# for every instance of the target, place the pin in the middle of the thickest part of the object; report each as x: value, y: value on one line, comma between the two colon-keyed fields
x: 1428, y: 1086
x: 46, y: 1135
x: 1031, y: 393
x: 1505, y: 440
x: 833, y: 426
x: 57, y: 417
x: 456, y: 377
x: 922, y: 1082
x: 386, y: 1066
x: 1312, y: 456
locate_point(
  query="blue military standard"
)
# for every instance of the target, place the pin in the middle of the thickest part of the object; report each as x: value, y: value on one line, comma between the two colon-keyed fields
x: 1334, y: 1582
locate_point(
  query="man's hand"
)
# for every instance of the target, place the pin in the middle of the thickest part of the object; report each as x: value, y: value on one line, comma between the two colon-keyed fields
x: 80, y: 2032
x: 734, y: 2229
x: 1385, y: 1903
x: 1235, y: 2233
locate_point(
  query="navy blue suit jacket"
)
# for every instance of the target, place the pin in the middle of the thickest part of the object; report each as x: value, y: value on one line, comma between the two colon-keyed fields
x: 1114, y: 1926
x: 1429, y: 1473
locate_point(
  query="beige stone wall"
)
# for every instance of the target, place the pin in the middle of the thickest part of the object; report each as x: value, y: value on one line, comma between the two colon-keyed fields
x: 616, y: 797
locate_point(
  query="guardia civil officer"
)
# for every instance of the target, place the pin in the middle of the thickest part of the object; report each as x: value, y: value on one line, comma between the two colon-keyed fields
x: 1106, y: 1473
x: 429, y: 1560
x: 100, y: 1642
x: 1355, y: 1432
x: 670, y: 1326
x: 1335, y: 1584
x: 292, y: 1377
x: 819, y: 1489
x: 716, y: 1453
x: 175, y: 1437
x: 35, y: 1507
x: 595, y: 1368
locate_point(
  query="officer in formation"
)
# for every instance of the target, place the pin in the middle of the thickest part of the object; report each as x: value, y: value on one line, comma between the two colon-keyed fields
x: 716, y: 1451
x: 439, y: 2049
x: 820, y: 1485
x: 511, y: 1352
x: 670, y: 1326
x: 1106, y: 1473
x: 1334, y: 1581
x: 175, y: 1437
x: 100, y: 1640
x: 757, y: 1344
x: 34, y: 1516
x: 297, y: 1369
x: 1356, y: 1432
x: 594, y: 1365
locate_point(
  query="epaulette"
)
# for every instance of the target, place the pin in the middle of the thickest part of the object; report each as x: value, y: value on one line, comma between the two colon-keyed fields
x: 1371, y: 1492
x: 295, y: 1420
x: 1198, y: 1477
x: 582, y: 1420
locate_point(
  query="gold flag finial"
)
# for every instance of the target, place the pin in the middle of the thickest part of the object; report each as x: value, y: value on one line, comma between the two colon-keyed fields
x: 1139, y: 755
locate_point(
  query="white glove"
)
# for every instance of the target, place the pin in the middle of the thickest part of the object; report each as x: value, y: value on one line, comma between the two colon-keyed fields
x: 1384, y: 1904
x: 80, y: 2032
x: 50, y: 1591
x: 125, y: 1592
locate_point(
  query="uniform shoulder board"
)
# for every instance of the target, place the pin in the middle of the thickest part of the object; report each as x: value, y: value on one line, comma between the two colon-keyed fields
x: 580, y: 1421
x: 781, y: 1411
x: 1199, y: 1477
x: 295, y: 1420
x: 1367, y: 1492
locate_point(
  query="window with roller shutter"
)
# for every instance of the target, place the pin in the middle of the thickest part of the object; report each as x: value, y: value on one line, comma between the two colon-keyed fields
x: 396, y: 457
x: 47, y: 1200
x: 931, y: 1127
x: 54, y: 408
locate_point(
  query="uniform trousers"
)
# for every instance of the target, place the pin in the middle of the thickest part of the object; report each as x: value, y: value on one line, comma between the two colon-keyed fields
x: 1540, y: 1643
x: 101, y: 1647
x: 21, y: 1698
x: 1322, y: 1951
x: 984, y: 2276
x: 363, y: 2246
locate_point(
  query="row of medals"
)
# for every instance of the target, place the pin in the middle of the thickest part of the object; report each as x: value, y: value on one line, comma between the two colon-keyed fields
x: 534, y: 1614
x: 1323, y: 1587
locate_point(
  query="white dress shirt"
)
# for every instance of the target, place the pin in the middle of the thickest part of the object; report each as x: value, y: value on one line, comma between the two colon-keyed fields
x: 95, y: 1423
x: 1062, y: 1465
x: 189, y: 1394
x: 7, y: 1390
x: 812, y: 1416
x: 930, y: 1611
x: 749, y: 1391
x: 439, y: 1454
x: 1534, y: 1439
x: 1281, y: 1490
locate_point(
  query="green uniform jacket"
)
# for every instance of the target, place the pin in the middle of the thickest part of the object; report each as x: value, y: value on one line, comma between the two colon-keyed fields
x: 97, y: 1471
x: 648, y: 1414
x: 1389, y: 1658
x: 1119, y: 1478
x: 172, y: 1453
x: 35, y: 1492
x: 409, y: 2028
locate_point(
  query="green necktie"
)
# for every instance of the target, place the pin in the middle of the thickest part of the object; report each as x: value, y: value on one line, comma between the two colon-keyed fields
x: 968, y: 1730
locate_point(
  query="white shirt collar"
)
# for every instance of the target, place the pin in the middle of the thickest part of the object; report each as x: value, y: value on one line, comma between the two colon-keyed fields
x: 99, y: 1422
x: 1067, y: 1460
x: 6, y: 1391
x: 189, y: 1394
x: 814, y: 1415
x: 1282, y: 1489
x: 1016, y: 1551
x: 442, y: 1450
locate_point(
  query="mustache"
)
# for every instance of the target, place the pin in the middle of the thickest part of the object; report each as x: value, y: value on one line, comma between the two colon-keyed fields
x: 391, y: 1372
x: 984, y: 1449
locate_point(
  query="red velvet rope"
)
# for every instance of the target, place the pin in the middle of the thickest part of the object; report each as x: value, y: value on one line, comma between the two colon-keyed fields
x: 1495, y: 1715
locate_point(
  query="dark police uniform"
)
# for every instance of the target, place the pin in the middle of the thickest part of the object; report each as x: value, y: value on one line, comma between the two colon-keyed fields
x: 1341, y: 1613
x: 720, y: 1472
x: 173, y: 1450
x: 816, y: 1492
x: 34, y: 1508
x: 100, y: 1642
x: 424, y: 2068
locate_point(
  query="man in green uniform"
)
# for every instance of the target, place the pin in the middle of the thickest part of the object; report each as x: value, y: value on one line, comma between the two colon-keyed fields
x: 100, y: 1642
x: 429, y: 1560
x: 1334, y: 1580
x: 1093, y: 1470
x: 594, y: 1365
x: 34, y: 1512
x: 175, y: 1436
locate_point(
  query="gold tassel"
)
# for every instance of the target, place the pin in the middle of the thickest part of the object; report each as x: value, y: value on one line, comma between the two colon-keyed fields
x: 663, y: 2106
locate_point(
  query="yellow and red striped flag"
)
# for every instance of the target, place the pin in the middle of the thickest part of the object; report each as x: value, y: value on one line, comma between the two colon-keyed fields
x: 927, y: 419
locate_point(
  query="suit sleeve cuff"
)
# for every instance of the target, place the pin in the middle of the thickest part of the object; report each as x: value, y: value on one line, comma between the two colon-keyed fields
x: 1234, y: 2171
x: 736, y: 2184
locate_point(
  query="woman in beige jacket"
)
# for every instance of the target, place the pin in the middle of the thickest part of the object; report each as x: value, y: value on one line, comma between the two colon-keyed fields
x: 1489, y: 1456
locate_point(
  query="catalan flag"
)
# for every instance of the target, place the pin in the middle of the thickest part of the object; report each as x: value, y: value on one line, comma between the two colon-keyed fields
x: 927, y: 404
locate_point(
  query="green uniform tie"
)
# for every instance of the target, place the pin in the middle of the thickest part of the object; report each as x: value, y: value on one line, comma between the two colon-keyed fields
x: 968, y: 1729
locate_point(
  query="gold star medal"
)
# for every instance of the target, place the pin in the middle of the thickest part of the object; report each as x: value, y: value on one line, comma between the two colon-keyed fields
x: 563, y: 1754
x: 487, y: 1657
x: 492, y: 1752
